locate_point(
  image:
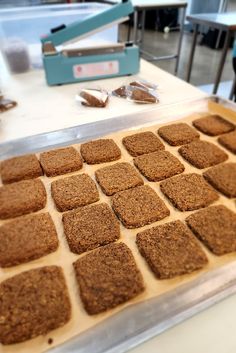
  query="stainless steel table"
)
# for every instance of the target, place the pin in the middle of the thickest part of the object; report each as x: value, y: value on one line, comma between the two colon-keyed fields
x: 140, y: 7
x: 223, y: 22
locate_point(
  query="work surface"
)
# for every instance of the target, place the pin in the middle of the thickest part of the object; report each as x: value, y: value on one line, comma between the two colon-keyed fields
x: 44, y: 109
x: 145, y: 4
x: 217, y: 20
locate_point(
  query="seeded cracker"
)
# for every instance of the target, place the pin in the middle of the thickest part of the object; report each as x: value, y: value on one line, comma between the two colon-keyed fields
x: 60, y: 161
x: 171, y: 250
x: 100, y: 151
x: 188, y: 192
x: 178, y: 134
x: 20, y: 168
x: 141, y: 143
x: 159, y: 165
x: 90, y: 227
x: 20, y: 198
x: 215, y: 226
x: 139, y: 206
x: 213, y: 125
x: 223, y: 178
x: 74, y: 191
x: 27, y: 238
x: 107, y: 277
x: 202, y: 154
x: 229, y: 141
x: 33, y: 303
x: 118, y: 177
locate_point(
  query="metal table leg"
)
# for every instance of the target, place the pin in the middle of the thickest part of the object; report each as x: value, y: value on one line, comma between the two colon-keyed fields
x: 222, y: 61
x: 135, y: 26
x: 142, y: 26
x: 180, y: 40
x: 129, y: 30
x: 233, y: 90
x: 190, y: 63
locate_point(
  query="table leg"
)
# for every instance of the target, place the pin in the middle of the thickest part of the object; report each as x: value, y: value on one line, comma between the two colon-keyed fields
x: 143, y: 25
x: 129, y: 30
x: 135, y: 26
x: 190, y: 63
x: 233, y: 90
x: 222, y: 61
x: 180, y: 40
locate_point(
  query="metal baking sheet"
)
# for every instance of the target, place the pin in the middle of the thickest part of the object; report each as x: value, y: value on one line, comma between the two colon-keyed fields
x: 80, y: 133
x: 138, y: 323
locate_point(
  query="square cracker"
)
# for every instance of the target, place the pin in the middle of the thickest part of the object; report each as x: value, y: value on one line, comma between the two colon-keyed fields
x: 27, y: 238
x: 20, y: 198
x: 20, y: 168
x: 202, y: 154
x: 178, y: 134
x: 188, y: 192
x: 213, y: 125
x: 61, y: 161
x: 100, y: 151
x: 228, y: 141
x: 223, y: 178
x: 90, y: 227
x: 139, y: 206
x: 74, y: 191
x: 142, y: 143
x: 107, y: 277
x: 117, y: 177
x: 33, y: 303
x: 171, y: 250
x: 159, y: 165
x: 215, y: 226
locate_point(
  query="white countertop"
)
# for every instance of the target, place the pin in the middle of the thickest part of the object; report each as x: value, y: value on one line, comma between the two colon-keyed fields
x: 212, y: 331
x: 41, y: 109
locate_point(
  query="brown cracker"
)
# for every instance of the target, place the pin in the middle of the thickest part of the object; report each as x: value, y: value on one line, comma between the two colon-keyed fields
x: 216, y: 227
x: 20, y: 168
x: 23, y: 197
x: 202, y: 154
x: 100, y: 151
x: 33, y: 303
x: 228, y: 141
x: 188, y: 192
x: 107, y: 277
x: 178, y: 134
x: 141, y: 143
x: 139, y: 206
x: 213, y: 125
x: 74, y: 191
x: 159, y: 165
x: 90, y: 227
x: 60, y: 161
x: 118, y: 177
x: 223, y: 178
x: 27, y: 238
x: 171, y: 250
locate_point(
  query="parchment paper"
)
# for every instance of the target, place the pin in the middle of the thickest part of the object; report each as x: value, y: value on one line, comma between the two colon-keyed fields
x: 80, y: 320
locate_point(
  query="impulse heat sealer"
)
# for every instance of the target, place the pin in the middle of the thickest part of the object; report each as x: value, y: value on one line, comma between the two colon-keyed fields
x: 76, y: 65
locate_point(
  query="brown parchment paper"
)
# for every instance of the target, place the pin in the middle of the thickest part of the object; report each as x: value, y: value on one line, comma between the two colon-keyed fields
x: 80, y: 320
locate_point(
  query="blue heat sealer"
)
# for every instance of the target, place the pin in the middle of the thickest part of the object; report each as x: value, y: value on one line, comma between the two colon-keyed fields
x: 84, y: 64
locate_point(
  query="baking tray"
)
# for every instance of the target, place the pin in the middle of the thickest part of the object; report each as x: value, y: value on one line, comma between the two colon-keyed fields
x: 139, y: 322
x: 80, y: 133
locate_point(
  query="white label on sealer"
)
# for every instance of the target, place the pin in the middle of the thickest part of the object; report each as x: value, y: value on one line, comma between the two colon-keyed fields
x: 96, y: 69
